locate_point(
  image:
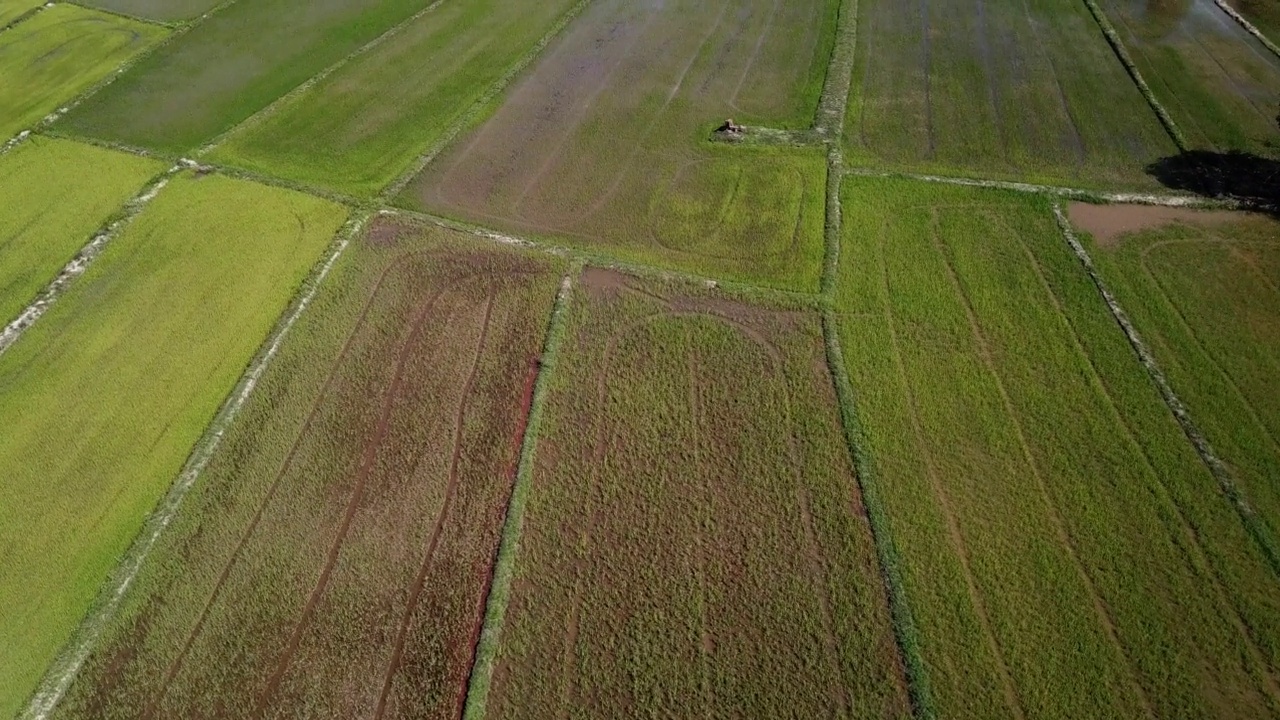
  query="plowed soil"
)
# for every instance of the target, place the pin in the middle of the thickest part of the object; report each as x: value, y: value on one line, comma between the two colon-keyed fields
x: 1106, y: 223
x: 336, y: 559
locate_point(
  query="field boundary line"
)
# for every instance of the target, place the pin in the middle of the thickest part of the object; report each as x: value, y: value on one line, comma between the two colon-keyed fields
x: 776, y: 295
x: 271, y: 108
x: 1217, y: 468
x: 829, y: 125
x: 177, y: 32
x: 1117, y: 45
x: 64, y: 669
x: 486, y: 651
x: 1248, y: 26
x: 906, y: 634
x: 83, y: 258
x: 1105, y: 196
x: 473, y: 114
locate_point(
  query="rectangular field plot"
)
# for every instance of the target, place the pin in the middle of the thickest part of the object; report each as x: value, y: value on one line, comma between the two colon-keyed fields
x: 336, y: 554
x: 1025, y: 90
x: 50, y: 58
x: 229, y: 67
x: 363, y: 126
x: 1065, y: 552
x: 1220, y: 84
x: 53, y: 195
x: 103, y: 398
x: 694, y: 541
x: 1204, y: 292
x: 606, y: 142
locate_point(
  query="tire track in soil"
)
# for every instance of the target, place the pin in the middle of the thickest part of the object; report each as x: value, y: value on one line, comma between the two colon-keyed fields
x: 419, y: 581
x: 956, y: 537
x: 477, y: 628
x: 1055, y: 516
x: 176, y: 665
x: 1196, y: 555
x: 370, y: 456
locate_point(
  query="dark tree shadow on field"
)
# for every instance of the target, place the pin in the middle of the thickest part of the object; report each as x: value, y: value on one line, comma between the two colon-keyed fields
x: 1250, y: 179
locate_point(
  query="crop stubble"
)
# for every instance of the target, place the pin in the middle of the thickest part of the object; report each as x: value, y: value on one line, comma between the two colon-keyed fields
x: 1027, y: 89
x: 334, y: 559
x: 694, y: 541
x: 1066, y: 552
x: 604, y: 143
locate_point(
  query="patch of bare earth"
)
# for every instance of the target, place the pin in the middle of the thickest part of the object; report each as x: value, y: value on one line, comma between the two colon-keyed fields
x: 1108, y: 223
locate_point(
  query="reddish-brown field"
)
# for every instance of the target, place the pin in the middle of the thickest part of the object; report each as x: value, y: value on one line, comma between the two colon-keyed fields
x: 694, y: 540
x: 335, y: 560
x: 607, y: 140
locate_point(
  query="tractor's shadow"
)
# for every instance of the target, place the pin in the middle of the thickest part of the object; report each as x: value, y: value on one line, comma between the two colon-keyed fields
x: 1250, y: 179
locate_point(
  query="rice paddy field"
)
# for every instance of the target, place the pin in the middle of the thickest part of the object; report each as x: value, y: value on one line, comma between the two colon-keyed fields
x: 59, y: 53
x: 1217, y: 80
x: 710, y: 544
x: 604, y: 143
x: 41, y: 231
x: 104, y: 397
x: 358, y: 502
x: 463, y: 359
x: 1027, y: 89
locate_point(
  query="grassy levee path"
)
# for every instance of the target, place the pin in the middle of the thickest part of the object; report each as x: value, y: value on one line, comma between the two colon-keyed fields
x: 105, y: 396
x: 1065, y: 551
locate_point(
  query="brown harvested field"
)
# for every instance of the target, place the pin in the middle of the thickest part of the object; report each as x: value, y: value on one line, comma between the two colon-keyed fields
x: 694, y: 542
x: 335, y: 559
x: 1107, y: 223
x: 606, y: 141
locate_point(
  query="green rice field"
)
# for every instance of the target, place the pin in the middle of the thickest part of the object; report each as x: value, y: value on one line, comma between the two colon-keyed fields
x: 105, y: 396
x: 40, y: 231
x: 59, y: 53
x: 469, y: 360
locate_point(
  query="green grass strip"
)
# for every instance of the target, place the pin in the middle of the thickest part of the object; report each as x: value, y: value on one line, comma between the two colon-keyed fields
x: 504, y: 567
x: 1194, y: 435
x: 1117, y: 45
x: 904, y: 625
